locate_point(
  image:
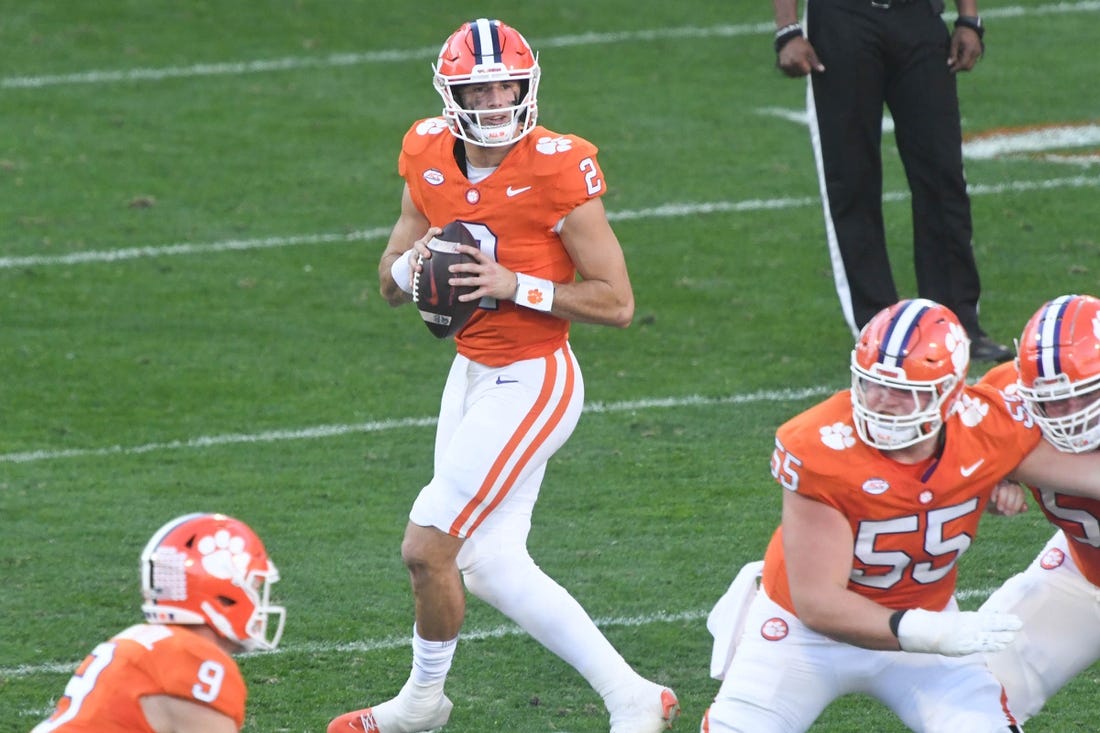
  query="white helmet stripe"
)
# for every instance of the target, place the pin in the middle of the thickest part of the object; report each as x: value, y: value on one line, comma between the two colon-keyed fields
x: 901, y: 328
x: 1049, y: 353
x: 488, y: 47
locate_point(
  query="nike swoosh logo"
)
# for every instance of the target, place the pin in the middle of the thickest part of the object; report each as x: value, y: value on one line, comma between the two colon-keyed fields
x: 967, y: 470
x: 516, y: 191
x: 502, y: 380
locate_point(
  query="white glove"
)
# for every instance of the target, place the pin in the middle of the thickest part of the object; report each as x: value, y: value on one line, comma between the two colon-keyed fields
x: 956, y: 633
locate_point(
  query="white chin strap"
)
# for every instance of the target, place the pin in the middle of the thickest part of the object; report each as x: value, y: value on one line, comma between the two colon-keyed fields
x: 494, y: 135
x: 887, y: 436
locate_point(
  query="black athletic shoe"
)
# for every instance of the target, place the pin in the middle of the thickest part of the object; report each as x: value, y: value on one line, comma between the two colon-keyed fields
x: 984, y: 348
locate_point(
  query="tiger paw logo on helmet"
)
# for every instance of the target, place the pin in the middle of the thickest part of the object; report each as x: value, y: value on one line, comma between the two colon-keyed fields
x: 958, y: 343
x: 224, y: 555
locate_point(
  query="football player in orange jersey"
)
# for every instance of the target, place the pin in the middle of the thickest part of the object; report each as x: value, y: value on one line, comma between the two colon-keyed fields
x: 547, y: 256
x: 1057, y: 373
x: 205, y: 580
x: 884, y: 485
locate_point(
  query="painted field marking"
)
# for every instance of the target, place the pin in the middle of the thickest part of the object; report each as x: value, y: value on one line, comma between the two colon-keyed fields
x: 386, y: 644
x: 329, y: 431
x: 375, y: 233
x: 390, y: 56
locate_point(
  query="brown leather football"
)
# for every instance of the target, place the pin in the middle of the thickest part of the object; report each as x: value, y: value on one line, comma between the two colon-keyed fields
x: 442, y: 311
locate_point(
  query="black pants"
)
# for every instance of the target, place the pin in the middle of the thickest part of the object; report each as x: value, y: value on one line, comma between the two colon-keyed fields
x: 897, y: 56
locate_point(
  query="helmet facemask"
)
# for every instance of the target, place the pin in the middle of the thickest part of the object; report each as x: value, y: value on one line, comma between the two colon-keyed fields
x: 916, y: 409
x: 476, y: 126
x: 1068, y: 413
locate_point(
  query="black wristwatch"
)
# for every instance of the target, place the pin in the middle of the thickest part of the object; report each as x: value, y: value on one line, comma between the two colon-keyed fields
x: 973, y: 22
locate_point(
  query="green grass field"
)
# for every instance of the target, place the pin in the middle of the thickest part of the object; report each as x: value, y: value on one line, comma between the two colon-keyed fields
x: 193, y: 199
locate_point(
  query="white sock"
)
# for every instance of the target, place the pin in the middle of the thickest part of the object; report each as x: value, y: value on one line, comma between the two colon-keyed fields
x: 431, y: 660
x: 514, y: 585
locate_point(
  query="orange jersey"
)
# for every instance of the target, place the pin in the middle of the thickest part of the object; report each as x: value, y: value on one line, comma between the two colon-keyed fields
x: 1078, y: 518
x: 104, y: 694
x: 514, y: 212
x: 909, y: 524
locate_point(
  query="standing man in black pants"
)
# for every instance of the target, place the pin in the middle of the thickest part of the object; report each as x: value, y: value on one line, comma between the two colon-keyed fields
x: 861, y: 54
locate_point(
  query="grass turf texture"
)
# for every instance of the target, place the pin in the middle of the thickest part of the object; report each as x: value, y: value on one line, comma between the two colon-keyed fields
x: 659, y: 497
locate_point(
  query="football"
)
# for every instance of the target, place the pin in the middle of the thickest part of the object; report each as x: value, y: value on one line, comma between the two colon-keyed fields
x: 437, y: 300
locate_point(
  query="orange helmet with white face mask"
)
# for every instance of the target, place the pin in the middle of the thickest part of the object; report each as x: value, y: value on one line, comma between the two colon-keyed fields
x: 480, y: 52
x: 213, y: 570
x: 908, y: 371
x: 1059, y: 371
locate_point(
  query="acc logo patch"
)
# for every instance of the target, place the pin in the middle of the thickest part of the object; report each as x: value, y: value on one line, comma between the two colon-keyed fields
x: 433, y: 176
x: 775, y: 629
x: 1052, y: 558
x: 876, y: 486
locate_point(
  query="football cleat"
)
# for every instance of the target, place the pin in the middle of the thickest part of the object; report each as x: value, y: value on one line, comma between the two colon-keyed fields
x: 399, y: 715
x: 653, y: 711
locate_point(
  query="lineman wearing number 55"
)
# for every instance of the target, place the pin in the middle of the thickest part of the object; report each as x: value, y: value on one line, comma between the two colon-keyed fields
x: 884, y: 485
x: 514, y: 392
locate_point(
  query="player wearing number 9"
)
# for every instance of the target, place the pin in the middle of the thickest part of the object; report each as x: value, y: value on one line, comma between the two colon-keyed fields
x: 205, y: 582
x: 883, y: 486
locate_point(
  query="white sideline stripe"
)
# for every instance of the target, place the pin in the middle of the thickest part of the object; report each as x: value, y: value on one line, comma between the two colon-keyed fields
x: 329, y: 431
x: 664, y: 211
x: 499, y: 632
x: 402, y: 55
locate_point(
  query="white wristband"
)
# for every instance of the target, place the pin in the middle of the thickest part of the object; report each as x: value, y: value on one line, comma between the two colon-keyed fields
x: 401, y: 272
x: 535, y: 293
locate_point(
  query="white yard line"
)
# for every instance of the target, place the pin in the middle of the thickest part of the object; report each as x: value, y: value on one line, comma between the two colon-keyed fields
x: 390, y: 56
x: 329, y: 431
x: 371, y: 645
x: 664, y: 211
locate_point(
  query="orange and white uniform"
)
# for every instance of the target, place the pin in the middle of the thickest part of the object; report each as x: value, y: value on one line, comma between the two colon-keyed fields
x: 1057, y: 597
x: 910, y: 524
x: 515, y: 212
x: 514, y: 392
x: 104, y: 695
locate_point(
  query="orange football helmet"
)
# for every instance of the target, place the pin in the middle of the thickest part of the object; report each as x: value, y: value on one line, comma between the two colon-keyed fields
x: 1058, y: 364
x: 908, y: 370
x: 479, y: 52
x: 211, y: 569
